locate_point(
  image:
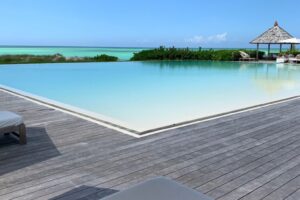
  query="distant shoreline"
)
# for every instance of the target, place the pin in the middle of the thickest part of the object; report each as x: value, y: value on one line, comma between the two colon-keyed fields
x: 56, y: 58
x: 25, y: 46
x: 123, y: 53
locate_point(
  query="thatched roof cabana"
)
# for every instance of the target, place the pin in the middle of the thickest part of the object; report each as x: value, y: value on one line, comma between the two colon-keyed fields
x: 274, y: 35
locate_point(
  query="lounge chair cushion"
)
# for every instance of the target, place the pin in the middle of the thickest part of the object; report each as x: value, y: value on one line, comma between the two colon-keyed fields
x: 158, y: 189
x: 8, y: 119
x: 244, y: 55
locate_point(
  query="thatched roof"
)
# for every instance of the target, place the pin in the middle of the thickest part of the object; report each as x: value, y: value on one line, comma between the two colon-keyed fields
x: 272, y: 36
x: 291, y: 41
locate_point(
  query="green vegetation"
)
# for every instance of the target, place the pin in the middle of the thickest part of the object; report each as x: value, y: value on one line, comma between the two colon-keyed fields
x: 105, y: 58
x: 163, y: 53
x: 57, y: 58
x: 294, y: 52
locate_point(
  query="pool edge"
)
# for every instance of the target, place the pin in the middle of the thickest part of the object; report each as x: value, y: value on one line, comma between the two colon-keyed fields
x: 220, y: 115
x: 132, y: 132
x: 67, y: 109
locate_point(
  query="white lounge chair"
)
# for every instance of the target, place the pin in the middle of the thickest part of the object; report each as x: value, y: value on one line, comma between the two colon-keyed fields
x: 282, y: 59
x: 11, y: 123
x: 295, y: 59
x: 245, y: 56
x: 159, y: 189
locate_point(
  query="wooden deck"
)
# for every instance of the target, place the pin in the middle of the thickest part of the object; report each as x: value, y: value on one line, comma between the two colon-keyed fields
x: 249, y: 156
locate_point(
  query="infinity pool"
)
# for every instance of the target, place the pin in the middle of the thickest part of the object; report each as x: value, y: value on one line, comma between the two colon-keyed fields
x: 146, y: 95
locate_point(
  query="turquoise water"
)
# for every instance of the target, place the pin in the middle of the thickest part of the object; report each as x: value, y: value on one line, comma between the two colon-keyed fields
x: 121, y: 53
x: 146, y: 95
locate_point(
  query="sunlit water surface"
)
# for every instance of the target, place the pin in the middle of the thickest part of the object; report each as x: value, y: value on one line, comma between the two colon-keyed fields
x: 147, y: 95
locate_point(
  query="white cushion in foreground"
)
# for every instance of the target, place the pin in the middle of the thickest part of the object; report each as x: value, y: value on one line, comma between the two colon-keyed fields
x: 158, y: 189
x: 8, y: 119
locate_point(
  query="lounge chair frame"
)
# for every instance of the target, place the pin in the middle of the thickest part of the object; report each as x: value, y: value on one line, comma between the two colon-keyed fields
x: 18, y: 131
x: 247, y: 59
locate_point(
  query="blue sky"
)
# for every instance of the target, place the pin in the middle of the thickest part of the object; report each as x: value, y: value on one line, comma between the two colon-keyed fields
x: 143, y: 23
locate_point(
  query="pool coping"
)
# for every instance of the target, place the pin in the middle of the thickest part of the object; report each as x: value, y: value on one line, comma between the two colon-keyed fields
x: 75, y: 111
x: 112, y: 124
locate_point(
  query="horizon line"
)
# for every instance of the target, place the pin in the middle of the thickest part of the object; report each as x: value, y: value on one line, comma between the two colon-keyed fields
x: 134, y: 47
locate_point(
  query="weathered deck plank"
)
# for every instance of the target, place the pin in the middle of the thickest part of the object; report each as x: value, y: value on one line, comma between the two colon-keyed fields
x: 251, y: 155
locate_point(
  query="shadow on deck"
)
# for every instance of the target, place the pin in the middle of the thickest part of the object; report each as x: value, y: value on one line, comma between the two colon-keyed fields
x: 15, y: 156
x: 97, y: 193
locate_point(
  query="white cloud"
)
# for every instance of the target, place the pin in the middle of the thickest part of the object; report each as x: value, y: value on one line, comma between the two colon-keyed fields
x: 200, y: 39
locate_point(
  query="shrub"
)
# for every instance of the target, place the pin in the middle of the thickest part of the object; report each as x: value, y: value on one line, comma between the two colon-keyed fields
x: 105, y: 58
x: 13, y: 59
x: 57, y: 58
x: 294, y: 52
x: 252, y: 53
x: 163, y: 53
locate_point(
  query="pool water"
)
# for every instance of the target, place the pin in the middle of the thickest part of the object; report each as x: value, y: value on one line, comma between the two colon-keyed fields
x: 147, y: 95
